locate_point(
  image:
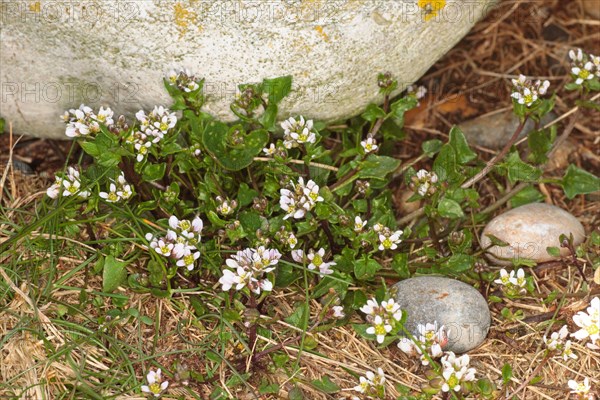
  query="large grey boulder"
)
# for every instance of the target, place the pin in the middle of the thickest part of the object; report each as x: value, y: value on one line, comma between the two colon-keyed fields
x: 56, y: 55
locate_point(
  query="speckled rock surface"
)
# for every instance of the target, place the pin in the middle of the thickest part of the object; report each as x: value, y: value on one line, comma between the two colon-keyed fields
x: 57, y: 55
x: 494, y: 130
x: 454, y: 304
x: 529, y: 230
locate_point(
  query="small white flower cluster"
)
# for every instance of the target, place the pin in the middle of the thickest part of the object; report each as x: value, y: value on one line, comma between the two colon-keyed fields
x: 68, y: 185
x: 556, y: 343
x: 589, y: 322
x: 153, y: 127
x: 526, y: 92
x: 119, y: 190
x: 387, y: 238
x: 248, y: 268
x: 183, y: 80
x: 583, y: 66
x: 512, y: 284
x: 298, y: 132
x: 582, y: 390
x: 430, y: 338
x: 300, y: 199
x: 180, y: 241
x: 381, y: 317
x: 371, y: 385
x: 419, y: 92
x: 456, y: 371
x: 156, y: 384
x: 225, y: 207
x: 271, y: 150
x: 369, y: 145
x: 315, y: 260
x: 83, y: 121
x: 423, y: 182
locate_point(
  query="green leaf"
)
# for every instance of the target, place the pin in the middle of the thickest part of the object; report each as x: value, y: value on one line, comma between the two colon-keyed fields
x: 217, y: 138
x: 153, y: 172
x: 528, y: 195
x: 506, y: 373
x: 446, y: 167
x: 401, y: 106
x: 113, y: 274
x: 449, y: 208
x: 250, y: 220
x: 366, y: 268
x: 2, y: 125
x: 377, y: 167
x: 246, y: 195
x: 277, y: 88
x: 540, y: 143
x: 90, y: 148
x: 295, y: 394
x: 268, y: 118
x: 400, y: 265
x: 326, y: 385
x: 299, y: 317
x: 577, y: 181
x: 463, y: 152
x: 431, y: 147
x: 519, y: 170
x: 373, y: 113
x: 553, y: 251
x: 459, y: 263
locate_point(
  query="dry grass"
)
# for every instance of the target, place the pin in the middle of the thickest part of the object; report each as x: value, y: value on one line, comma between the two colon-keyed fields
x: 498, y: 48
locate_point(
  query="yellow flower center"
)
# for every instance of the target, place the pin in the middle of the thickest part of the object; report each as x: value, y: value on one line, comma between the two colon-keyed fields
x: 593, y: 329
x: 188, y: 260
x: 113, y: 196
x: 154, y: 388
x: 453, y: 381
x: 317, y: 260
x: 387, y: 243
x: 584, y: 73
x: 380, y: 330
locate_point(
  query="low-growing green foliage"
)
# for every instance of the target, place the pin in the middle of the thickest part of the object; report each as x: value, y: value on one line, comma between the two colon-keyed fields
x: 227, y: 213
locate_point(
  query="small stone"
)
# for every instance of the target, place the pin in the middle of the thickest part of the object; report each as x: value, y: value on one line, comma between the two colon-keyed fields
x: 530, y: 230
x: 459, y: 307
x: 493, y: 130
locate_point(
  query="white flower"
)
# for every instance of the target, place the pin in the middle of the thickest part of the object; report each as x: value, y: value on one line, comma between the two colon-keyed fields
x: 423, y: 182
x: 250, y: 265
x: 392, y: 309
x: 527, y: 92
x: 297, y: 132
x: 371, y: 307
x: 338, y: 312
x: 580, y: 388
x: 111, y: 196
x: 311, y: 191
x: 380, y: 328
x: 298, y: 256
x: 291, y: 240
x: 589, y: 322
x: 556, y: 339
x: 430, y: 338
x: 105, y: 116
x: 316, y: 261
x: 188, y: 259
x: 596, y: 61
x: 156, y: 385
x: 142, y: 150
x: 269, y: 151
x: 456, y: 371
x: 389, y: 242
x: 419, y: 92
x: 372, y: 385
x: 369, y: 145
x: 54, y: 190
x: 514, y: 283
x: 359, y: 224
